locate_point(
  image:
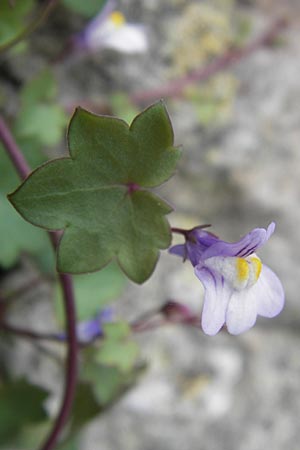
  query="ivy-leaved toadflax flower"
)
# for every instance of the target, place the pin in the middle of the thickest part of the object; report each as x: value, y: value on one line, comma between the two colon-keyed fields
x: 111, y: 30
x: 238, y: 287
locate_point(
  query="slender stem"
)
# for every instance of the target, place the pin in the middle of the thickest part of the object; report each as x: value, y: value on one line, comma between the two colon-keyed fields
x: 69, y: 304
x: 14, y: 294
x: 71, y: 366
x: 179, y: 231
x: 43, y: 14
x: 176, y: 88
x: 29, y: 334
x: 187, y: 232
x: 13, y: 151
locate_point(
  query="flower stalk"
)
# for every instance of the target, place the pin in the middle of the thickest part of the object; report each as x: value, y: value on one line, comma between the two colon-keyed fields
x: 66, y: 283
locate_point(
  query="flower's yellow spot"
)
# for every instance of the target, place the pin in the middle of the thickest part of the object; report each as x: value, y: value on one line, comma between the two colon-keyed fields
x: 117, y: 18
x: 257, y: 266
x: 241, y: 273
x: 242, y: 269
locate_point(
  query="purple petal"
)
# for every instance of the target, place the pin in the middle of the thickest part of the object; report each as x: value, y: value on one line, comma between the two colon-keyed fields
x: 271, y: 298
x: 179, y: 250
x: 107, y: 9
x: 81, y: 40
x: 247, y: 245
x: 197, y: 243
x: 242, y: 310
x: 203, y: 238
x: 217, y: 295
x: 88, y: 330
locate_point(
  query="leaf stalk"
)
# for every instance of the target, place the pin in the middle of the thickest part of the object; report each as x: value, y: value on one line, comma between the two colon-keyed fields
x: 66, y: 283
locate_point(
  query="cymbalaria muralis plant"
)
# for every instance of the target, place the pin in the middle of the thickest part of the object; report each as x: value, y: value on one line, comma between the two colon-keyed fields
x: 99, y: 200
x: 101, y: 208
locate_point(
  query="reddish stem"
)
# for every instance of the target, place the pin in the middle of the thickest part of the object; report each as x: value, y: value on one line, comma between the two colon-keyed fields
x: 29, y: 334
x: 13, y: 151
x: 175, y: 88
x: 71, y: 365
x: 69, y: 303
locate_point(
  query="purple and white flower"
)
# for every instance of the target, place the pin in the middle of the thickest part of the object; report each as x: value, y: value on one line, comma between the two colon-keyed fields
x: 111, y: 30
x: 238, y: 287
x: 88, y: 330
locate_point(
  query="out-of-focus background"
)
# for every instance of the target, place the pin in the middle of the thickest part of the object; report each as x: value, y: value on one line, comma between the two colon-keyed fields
x: 240, y: 169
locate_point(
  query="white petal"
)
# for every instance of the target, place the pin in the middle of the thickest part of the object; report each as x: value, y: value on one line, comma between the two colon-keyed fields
x: 235, y: 270
x: 217, y: 295
x: 242, y: 310
x: 271, y: 294
x: 129, y: 38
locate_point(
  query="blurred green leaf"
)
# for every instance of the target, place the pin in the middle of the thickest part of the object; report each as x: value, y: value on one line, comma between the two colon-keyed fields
x: 116, y: 330
x: 32, y: 435
x: 108, y: 382
x: 117, y: 349
x: 39, y: 122
x: 93, y: 291
x: 16, y: 235
x: 122, y: 106
x: 41, y: 88
x: 120, y: 354
x: 21, y: 403
x: 88, y: 195
x: 44, y: 123
x: 99, y: 388
x: 69, y: 444
x: 13, y: 19
x: 87, y: 8
x: 85, y: 406
x: 40, y: 118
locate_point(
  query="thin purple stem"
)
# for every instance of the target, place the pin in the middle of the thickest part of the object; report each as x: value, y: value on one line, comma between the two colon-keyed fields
x: 69, y: 303
x: 176, y: 88
x: 185, y: 232
x: 13, y: 151
x: 71, y: 365
x: 29, y: 334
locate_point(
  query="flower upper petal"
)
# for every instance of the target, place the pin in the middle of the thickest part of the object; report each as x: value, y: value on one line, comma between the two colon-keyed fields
x: 179, y: 250
x: 271, y: 300
x: 217, y: 295
x: 242, y: 309
x: 247, y: 245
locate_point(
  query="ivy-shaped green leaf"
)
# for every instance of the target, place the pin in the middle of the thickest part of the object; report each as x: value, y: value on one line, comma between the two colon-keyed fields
x: 99, y: 195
